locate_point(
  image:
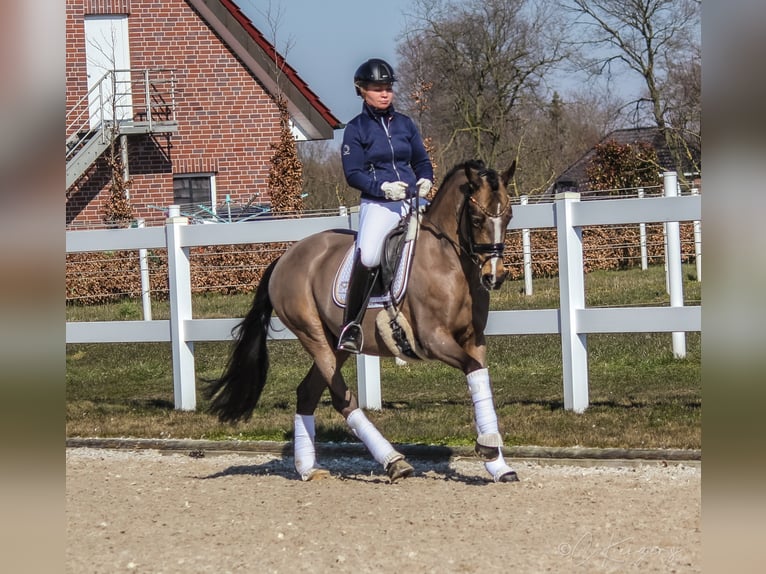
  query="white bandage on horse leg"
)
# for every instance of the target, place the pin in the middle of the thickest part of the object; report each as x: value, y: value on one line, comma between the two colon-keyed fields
x: 498, y: 467
x: 379, y: 447
x: 305, y: 455
x: 486, y: 421
x: 484, y: 408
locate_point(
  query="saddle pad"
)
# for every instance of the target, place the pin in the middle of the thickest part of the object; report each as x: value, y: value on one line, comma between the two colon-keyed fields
x: 392, y: 295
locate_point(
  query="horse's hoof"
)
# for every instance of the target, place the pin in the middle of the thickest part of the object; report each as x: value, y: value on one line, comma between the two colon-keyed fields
x: 399, y: 469
x: 316, y: 473
x: 510, y: 476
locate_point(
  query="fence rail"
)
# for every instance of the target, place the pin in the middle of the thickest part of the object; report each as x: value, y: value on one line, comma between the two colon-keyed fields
x: 572, y: 320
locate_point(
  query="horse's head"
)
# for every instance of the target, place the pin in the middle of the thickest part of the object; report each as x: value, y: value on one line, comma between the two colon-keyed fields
x: 484, y: 217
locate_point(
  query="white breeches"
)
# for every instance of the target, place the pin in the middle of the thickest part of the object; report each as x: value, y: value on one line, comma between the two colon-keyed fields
x: 376, y: 220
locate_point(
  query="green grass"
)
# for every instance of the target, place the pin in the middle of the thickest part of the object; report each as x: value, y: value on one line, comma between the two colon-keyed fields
x: 640, y: 395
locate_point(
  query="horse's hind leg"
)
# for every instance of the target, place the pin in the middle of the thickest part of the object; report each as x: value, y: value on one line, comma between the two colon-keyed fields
x: 308, y: 394
x: 327, y: 368
x: 382, y: 451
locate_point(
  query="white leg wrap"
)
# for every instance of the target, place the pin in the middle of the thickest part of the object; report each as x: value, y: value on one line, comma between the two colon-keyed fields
x: 498, y: 467
x: 486, y: 421
x: 379, y: 447
x: 305, y: 455
x: 484, y: 408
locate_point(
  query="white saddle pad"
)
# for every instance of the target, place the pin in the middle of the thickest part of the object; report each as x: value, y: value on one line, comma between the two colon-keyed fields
x: 393, y: 295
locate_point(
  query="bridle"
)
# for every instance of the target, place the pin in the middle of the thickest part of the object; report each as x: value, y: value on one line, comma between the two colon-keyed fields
x: 476, y: 250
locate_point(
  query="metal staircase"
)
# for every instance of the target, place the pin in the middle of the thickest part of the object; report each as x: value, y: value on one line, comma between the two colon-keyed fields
x: 122, y: 102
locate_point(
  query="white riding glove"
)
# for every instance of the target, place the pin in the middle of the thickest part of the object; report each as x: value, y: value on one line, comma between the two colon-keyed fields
x: 424, y: 186
x: 395, y: 190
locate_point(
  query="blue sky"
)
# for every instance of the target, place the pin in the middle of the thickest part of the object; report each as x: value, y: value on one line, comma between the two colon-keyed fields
x: 326, y: 40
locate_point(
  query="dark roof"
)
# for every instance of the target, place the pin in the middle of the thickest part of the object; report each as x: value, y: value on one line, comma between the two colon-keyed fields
x: 575, y: 175
x: 308, y: 113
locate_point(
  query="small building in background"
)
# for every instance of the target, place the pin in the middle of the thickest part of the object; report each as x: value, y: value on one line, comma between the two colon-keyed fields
x: 575, y: 177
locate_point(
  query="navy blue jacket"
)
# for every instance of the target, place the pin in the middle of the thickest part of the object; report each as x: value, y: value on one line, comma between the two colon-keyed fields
x: 379, y: 147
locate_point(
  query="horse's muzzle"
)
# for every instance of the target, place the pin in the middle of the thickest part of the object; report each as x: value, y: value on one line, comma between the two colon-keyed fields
x: 493, y: 273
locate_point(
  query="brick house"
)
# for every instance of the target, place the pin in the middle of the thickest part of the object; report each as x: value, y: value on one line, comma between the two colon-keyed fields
x: 182, y: 94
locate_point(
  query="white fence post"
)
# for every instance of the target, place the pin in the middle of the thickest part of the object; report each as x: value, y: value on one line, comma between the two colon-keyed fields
x: 368, y: 382
x: 673, y: 258
x: 526, y: 248
x: 574, y: 351
x: 697, y: 241
x: 642, y: 237
x: 143, y: 265
x: 179, y: 280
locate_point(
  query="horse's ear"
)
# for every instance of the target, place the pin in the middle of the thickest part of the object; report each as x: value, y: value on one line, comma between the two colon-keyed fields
x: 508, y: 173
x: 473, y: 176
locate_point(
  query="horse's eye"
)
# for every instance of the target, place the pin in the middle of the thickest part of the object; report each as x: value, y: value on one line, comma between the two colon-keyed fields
x: 477, y: 220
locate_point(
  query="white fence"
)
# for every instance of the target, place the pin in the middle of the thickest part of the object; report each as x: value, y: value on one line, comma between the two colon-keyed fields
x: 572, y: 320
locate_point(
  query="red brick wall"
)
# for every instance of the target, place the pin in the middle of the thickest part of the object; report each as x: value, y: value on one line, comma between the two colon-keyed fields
x: 226, y: 119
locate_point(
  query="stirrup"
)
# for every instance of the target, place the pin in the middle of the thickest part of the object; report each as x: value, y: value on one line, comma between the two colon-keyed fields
x: 351, y: 338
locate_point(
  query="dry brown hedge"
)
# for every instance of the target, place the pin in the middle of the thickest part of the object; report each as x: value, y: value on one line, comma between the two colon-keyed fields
x: 100, y: 277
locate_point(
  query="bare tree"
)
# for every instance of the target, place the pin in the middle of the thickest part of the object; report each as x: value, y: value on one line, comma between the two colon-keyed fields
x: 683, y: 96
x: 285, y: 168
x: 648, y: 38
x: 557, y: 133
x: 480, y: 60
x: 117, y: 209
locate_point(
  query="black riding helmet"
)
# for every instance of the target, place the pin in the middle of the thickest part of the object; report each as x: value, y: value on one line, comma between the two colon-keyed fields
x: 373, y: 71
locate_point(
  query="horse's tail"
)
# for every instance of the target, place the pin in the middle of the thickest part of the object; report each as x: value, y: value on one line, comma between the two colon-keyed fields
x: 234, y: 396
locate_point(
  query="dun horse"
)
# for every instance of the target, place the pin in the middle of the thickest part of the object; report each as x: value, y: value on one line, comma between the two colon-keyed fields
x: 458, y: 259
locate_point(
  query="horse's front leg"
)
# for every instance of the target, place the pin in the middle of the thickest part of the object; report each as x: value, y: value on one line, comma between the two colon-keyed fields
x: 471, y: 360
x: 489, y: 443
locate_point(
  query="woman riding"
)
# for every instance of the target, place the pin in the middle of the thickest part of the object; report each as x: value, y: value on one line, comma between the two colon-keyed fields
x: 384, y: 158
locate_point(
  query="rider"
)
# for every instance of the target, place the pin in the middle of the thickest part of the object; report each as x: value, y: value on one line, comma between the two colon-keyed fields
x: 384, y: 158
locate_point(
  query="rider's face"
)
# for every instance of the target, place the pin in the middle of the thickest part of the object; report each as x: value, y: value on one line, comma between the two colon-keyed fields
x: 378, y: 96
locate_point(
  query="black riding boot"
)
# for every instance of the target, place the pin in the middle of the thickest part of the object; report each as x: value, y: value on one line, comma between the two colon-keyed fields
x: 359, y: 290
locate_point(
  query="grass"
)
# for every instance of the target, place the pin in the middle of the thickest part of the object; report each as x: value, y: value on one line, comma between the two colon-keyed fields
x: 640, y: 395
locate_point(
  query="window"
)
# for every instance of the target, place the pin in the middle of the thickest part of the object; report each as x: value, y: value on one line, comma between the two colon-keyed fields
x: 194, y: 190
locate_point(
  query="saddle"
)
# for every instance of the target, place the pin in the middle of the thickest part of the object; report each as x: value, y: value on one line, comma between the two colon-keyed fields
x: 389, y: 289
x: 394, y: 268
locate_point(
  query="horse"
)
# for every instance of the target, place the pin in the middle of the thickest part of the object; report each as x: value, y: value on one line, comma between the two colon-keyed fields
x: 457, y: 261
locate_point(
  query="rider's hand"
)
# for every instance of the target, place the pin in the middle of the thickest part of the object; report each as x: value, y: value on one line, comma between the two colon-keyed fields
x: 424, y: 186
x: 394, y: 190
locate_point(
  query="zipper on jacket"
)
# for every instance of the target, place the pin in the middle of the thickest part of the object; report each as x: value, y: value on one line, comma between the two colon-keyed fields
x: 393, y: 155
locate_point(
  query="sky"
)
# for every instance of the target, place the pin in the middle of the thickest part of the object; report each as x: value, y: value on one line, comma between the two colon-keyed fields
x: 326, y: 41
